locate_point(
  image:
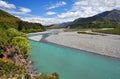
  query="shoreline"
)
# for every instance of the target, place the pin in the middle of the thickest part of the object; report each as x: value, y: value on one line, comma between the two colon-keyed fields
x: 45, y: 39
x: 32, y: 69
x: 84, y: 51
x: 56, y: 39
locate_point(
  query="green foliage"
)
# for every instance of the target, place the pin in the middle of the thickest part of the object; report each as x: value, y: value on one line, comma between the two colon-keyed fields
x: 10, y: 37
x: 15, y: 38
x: 11, y: 33
x: 87, y: 33
x: 1, y: 73
x: 112, y: 31
x: 100, y: 25
x: 23, y: 44
x: 3, y: 40
x: 51, y: 76
x: 47, y: 77
x: 28, y: 27
x: 10, y: 69
x: 19, y: 77
x: 27, y: 76
x: 32, y: 30
x: 9, y: 21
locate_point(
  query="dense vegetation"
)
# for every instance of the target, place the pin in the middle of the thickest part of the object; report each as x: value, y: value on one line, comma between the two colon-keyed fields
x: 110, y: 31
x: 8, y: 20
x: 12, y: 37
x: 96, y: 25
x: 15, y: 48
x: 10, y: 69
x: 14, y: 53
x: 12, y: 44
x: 29, y: 27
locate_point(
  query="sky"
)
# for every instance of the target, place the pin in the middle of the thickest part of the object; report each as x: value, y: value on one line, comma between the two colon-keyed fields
x: 49, y: 12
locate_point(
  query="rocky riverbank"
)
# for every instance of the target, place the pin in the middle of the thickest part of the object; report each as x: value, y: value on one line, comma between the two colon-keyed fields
x: 107, y: 44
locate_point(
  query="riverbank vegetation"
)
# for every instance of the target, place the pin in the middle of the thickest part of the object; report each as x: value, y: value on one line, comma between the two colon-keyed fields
x: 112, y: 28
x: 107, y: 19
x: 14, y: 53
x: 15, y: 48
x: 100, y: 28
x: 109, y: 31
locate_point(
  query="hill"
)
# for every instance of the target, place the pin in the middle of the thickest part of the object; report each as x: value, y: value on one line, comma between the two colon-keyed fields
x: 105, y: 19
x: 7, y: 20
x: 15, y: 49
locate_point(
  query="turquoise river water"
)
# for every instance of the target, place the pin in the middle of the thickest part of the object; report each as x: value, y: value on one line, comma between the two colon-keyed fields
x: 73, y: 64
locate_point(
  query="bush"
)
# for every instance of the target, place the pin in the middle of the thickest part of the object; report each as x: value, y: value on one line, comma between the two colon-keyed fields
x: 23, y: 44
x: 27, y: 76
x: 19, y: 77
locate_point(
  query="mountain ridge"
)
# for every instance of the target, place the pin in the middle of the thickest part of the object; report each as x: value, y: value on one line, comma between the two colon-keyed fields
x: 112, y: 16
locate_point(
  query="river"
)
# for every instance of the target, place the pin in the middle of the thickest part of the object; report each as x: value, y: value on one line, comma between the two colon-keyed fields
x: 73, y: 64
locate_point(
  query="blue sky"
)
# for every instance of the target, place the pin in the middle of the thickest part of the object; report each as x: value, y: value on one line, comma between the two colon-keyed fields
x: 56, y: 11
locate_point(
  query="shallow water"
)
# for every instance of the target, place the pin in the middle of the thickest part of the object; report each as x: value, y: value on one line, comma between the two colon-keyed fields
x: 73, y: 64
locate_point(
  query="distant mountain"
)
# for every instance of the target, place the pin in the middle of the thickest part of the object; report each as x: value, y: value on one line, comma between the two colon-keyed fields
x: 53, y: 26
x: 7, y: 20
x: 63, y: 24
x: 60, y: 25
x: 112, y: 16
x: 105, y: 17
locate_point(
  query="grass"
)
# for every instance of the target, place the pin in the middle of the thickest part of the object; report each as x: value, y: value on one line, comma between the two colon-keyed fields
x: 87, y: 33
x: 90, y: 33
x: 107, y: 31
x: 112, y: 31
x: 76, y: 29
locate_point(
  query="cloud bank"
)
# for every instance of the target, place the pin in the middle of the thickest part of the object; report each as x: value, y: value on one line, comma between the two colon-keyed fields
x: 86, y: 8
x: 4, y: 4
x: 11, y: 8
x: 45, y: 21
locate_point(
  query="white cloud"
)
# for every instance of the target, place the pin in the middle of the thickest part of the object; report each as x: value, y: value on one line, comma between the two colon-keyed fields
x: 69, y: 15
x: 80, y: 8
x: 86, y: 8
x: 4, y: 4
x: 45, y: 21
x: 59, y: 4
x: 17, y: 13
x: 50, y: 13
x: 25, y: 10
x: 11, y: 8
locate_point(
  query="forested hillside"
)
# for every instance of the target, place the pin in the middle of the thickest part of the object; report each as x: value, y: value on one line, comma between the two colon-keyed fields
x: 8, y: 20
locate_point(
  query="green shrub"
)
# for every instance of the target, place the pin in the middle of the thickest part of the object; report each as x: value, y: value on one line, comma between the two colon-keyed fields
x: 19, y: 77
x: 27, y: 76
x: 23, y: 44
